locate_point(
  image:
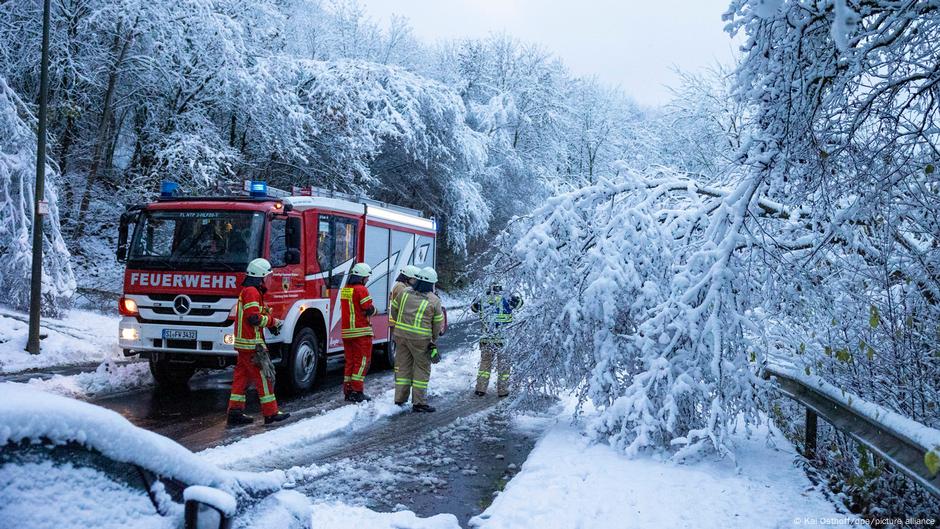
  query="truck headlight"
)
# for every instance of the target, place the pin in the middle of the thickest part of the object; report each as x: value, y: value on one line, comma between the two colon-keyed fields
x: 228, y: 339
x: 130, y: 334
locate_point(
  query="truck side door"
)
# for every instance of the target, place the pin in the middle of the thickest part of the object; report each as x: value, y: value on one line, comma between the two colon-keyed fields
x: 337, y: 244
x: 286, y: 283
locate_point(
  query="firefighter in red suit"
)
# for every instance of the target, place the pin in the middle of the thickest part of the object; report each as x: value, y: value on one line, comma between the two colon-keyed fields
x: 356, y: 306
x: 251, y: 318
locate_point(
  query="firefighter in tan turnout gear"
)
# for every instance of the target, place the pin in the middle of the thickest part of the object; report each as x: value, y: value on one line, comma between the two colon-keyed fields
x: 406, y: 278
x: 417, y: 316
x: 495, y: 312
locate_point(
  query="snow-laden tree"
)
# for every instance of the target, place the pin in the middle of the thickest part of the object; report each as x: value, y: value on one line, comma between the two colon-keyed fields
x: 641, y: 299
x: 17, y: 192
x: 817, y: 247
x: 385, y: 131
x: 846, y: 136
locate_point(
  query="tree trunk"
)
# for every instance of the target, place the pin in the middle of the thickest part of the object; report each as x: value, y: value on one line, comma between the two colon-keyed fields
x: 120, y: 47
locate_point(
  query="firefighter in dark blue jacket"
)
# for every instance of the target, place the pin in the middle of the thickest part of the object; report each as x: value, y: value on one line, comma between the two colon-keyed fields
x: 495, y: 312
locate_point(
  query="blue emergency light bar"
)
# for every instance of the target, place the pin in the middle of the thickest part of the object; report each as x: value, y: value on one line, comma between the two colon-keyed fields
x: 258, y: 189
x: 168, y: 189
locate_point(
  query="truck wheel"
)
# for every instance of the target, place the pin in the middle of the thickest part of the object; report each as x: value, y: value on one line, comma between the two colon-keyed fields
x: 306, y: 363
x: 171, y: 375
x: 386, y: 355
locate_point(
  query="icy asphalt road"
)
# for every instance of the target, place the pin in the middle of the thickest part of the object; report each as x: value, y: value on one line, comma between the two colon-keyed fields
x: 195, y: 417
x: 451, y: 461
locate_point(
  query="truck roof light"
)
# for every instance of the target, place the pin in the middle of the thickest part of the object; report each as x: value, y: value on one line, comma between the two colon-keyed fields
x: 168, y: 189
x: 258, y: 189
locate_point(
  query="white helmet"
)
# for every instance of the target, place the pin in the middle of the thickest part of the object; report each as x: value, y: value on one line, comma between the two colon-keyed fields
x: 361, y: 270
x: 427, y: 275
x: 259, y: 268
x: 410, y: 271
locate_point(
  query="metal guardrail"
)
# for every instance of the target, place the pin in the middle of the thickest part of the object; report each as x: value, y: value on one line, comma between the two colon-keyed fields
x: 902, y: 453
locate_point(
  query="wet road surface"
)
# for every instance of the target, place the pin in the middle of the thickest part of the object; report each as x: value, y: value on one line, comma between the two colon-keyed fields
x: 196, y: 417
x: 452, y: 461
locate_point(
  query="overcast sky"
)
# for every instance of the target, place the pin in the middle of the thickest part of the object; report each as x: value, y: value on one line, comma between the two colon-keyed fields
x: 631, y: 43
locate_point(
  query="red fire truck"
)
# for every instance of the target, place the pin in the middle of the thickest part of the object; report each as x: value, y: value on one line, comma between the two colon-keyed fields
x: 185, y: 261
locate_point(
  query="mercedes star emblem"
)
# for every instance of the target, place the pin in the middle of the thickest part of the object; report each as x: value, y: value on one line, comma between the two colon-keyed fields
x: 181, y: 304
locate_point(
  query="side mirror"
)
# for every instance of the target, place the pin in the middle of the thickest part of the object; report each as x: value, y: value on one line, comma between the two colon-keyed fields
x: 208, y: 508
x: 292, y: 256
x: 127, y: 218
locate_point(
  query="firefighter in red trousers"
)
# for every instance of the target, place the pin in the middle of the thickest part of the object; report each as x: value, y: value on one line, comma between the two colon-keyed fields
x: 357, y: 307
x: 251, y: 318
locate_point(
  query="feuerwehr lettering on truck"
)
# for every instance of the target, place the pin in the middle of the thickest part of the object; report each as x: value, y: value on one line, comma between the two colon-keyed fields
x: 182, y: 280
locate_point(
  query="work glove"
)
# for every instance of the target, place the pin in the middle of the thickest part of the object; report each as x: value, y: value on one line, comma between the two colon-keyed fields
x: 434, y: 353
x: 262, y: 359
x: 276, y: 328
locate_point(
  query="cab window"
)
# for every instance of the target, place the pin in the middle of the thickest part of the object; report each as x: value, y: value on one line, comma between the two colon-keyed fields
x: 277, y: 245
x: 337, y: 240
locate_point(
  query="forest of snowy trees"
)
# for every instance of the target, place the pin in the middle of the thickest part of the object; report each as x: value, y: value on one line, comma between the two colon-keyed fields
x: 785, y: 209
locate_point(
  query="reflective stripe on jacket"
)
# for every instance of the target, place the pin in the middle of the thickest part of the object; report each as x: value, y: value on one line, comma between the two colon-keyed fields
x: 495, y: 311
x: 251, y: 317
x: 417, y: 315
x: 397, y: 289
x: 355, y: 302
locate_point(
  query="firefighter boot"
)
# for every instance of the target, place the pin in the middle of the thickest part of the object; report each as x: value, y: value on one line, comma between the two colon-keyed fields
x: 357, y: 397
x: 238, y: 418
x: 277, y: 417
x: 423, y: 408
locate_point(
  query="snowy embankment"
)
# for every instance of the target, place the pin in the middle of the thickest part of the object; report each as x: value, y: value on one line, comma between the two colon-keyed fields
x: 80, y: 337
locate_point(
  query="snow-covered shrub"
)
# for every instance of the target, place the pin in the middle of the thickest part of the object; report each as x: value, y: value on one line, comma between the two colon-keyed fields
x: 17, y: 190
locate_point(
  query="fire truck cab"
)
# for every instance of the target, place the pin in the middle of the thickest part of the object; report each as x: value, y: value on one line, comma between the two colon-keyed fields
x: 186, y: 258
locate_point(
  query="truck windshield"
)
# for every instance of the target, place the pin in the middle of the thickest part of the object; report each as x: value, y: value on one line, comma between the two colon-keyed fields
x: 197, y: 240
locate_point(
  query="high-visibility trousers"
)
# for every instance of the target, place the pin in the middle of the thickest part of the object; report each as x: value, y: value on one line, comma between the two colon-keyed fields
x: 358, y: 353
x: 412, y: 369
x: 246, y: 372
x: 490, y: 351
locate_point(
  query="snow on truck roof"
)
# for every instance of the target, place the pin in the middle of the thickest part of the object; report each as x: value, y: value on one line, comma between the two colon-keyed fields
x: 30, y: 415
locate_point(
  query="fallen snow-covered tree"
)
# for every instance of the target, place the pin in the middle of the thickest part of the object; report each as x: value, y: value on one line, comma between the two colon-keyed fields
x: 658, y: 296
x: 17, y: 188
x: 640, y: 300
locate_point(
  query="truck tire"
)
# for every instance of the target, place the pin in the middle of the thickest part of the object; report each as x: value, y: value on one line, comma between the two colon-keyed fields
x: 170, y: 375
x: 305, y: 364
x: 385, y: 355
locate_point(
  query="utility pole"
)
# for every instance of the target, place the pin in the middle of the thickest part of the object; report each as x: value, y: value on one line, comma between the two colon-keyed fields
x: 40, y: 208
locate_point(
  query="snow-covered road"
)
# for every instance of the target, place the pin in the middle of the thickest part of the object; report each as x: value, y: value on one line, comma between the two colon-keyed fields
x: 383, y: 466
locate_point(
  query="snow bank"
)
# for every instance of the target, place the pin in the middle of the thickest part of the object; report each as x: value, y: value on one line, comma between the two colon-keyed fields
x: 81, y: 336
x: 302, y: 433
x: 285, y: 509
x: 342, y: 515
x: 28, y: 414
x: 569, y: 482
x: 108, y: 377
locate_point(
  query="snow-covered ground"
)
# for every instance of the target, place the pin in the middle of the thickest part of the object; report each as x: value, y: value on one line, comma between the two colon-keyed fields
x: 82, y: 336
x: 108, y: 377
x: 569, y: 482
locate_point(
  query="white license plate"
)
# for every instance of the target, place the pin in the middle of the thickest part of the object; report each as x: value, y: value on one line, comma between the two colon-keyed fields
x: 179, y: 334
